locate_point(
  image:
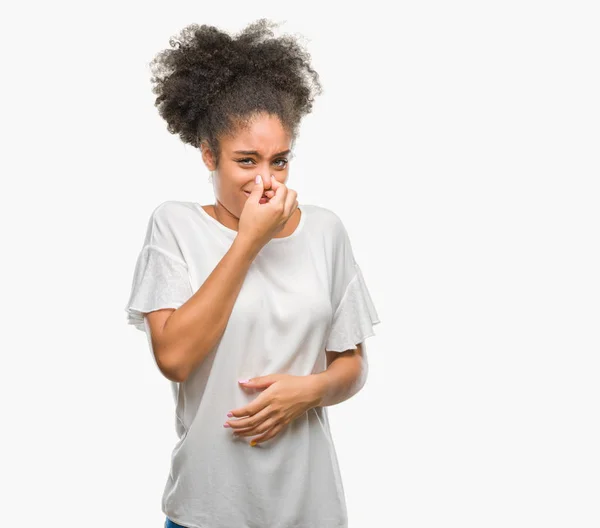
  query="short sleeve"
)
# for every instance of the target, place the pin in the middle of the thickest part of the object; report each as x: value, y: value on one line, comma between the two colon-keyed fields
x: 160, y: 278
x: 354, y: 313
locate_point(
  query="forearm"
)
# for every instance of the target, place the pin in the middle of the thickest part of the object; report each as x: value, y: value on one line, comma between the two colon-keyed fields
x: 342, y: 379
x: 193, y: 330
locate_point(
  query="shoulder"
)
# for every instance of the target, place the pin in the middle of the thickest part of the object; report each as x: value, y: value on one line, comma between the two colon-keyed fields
x: 332, y: 229
x: 166, y: 226
x: 171, y: 211
x: 328, y: 221
x: 170, y: 216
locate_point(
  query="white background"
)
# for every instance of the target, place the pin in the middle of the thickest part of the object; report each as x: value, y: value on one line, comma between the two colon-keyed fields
x: 458, y: 141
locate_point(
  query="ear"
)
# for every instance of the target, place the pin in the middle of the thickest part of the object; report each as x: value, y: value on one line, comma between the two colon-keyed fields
x: 207, y: 156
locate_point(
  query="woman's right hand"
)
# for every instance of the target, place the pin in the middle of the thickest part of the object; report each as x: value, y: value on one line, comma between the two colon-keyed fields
x: 258, y: 222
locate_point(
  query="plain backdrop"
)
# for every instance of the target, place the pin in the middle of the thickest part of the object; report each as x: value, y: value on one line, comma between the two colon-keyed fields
x: 458, y: 142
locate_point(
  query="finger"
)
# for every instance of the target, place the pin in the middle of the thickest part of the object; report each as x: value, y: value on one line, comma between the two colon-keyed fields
x: 257, y: 190
x: 295, y: 206
x: 268, y: 435
x: 291, y: 203
x: 252, y: 408
x: 251, y: 421
x: 281, y: 191
x: 260, y: 428
x: 275, y: 183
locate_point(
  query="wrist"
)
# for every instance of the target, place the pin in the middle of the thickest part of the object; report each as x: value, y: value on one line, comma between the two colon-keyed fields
x: 246, y: 247
x: 318, y: 386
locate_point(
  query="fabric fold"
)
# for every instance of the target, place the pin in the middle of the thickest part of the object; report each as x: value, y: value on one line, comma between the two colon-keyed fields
x: 160, y: 280
x: 355, y: 317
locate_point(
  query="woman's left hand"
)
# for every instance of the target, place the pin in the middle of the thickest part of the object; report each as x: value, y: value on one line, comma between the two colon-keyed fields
x: 286, y: 397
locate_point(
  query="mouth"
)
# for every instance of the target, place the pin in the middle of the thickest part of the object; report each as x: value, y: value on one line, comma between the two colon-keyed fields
x: 263, y: 199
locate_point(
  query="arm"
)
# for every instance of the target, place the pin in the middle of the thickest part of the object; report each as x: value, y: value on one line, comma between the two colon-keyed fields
x: 345, y: 375
x: 182, y: 338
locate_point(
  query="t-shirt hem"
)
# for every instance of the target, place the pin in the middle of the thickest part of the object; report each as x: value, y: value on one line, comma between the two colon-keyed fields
x: 315, y: 524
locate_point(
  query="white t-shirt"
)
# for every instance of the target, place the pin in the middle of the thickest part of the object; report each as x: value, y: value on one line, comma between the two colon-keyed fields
x: 303, y: 294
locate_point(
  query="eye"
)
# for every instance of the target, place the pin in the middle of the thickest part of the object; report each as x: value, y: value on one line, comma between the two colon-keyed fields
x: 282, y: 165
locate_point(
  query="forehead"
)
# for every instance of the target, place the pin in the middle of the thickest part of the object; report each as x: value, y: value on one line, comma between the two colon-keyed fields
x: 263, y: 133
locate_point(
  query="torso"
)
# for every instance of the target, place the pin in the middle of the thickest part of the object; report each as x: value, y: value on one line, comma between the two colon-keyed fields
x: 281, y: 322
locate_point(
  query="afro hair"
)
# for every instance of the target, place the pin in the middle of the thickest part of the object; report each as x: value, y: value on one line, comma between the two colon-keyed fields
x: 209, y: 83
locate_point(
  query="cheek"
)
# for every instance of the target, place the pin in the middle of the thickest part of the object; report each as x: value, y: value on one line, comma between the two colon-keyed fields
x: 230, y: 193
x: 229, y: 184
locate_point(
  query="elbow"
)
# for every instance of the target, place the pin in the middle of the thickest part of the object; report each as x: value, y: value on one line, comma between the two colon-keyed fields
x: 172, y: 371
x: 171, y: 365
x: 363, y: 374
x: 170, y: 353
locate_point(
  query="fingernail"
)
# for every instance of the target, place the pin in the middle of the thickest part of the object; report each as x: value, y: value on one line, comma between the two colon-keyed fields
x: 243, y: 381
x: 226, y: 425
x: 257, y: 179
x: 253, y: 443
x: 230, y: 414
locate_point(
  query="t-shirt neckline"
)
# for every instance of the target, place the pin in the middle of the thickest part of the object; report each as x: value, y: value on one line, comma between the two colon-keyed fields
x: 232, y: 233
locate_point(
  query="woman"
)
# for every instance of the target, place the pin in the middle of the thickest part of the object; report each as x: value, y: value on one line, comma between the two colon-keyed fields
x: 254, y: 307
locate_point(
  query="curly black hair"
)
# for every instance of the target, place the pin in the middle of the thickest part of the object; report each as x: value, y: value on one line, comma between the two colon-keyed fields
x: 209, y: 84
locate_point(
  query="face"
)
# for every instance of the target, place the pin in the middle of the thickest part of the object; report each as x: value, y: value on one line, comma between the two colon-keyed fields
x: 261, y: 148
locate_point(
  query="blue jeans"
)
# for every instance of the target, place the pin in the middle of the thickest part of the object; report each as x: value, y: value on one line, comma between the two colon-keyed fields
x: 170, y: 524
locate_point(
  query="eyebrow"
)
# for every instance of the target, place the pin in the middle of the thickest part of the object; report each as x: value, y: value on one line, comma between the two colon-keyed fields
x: 255, y: 153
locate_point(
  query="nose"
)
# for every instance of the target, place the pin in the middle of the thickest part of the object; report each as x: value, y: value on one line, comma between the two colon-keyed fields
x: 266, y: 181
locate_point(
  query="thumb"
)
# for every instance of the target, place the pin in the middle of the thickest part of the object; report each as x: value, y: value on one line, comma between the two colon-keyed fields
x: 257, y: 190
